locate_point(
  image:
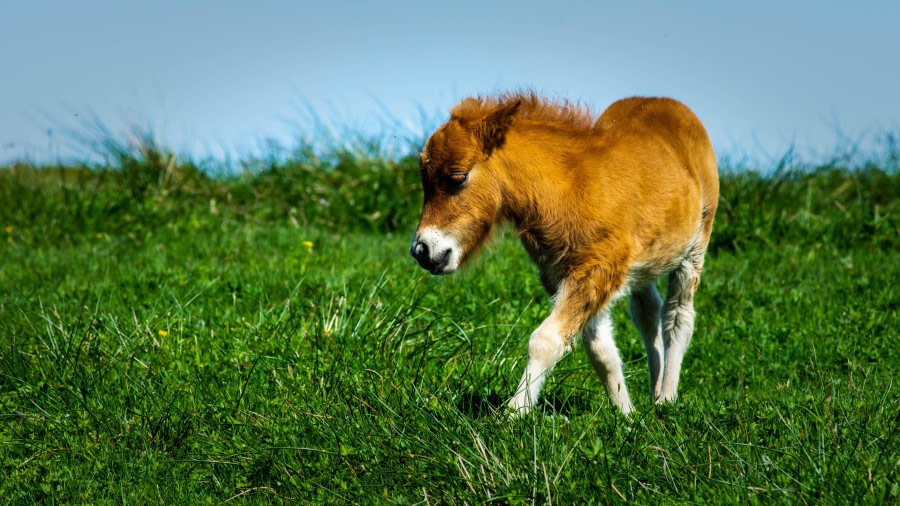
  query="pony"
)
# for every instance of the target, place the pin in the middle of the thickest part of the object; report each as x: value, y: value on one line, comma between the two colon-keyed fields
x: 603, y: 205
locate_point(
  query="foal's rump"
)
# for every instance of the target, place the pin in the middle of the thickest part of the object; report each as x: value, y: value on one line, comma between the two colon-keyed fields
x: 669, y: 129
x: 662, y: 154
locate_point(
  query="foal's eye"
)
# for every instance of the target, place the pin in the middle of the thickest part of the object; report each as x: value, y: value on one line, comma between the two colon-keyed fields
x: 457, y: 179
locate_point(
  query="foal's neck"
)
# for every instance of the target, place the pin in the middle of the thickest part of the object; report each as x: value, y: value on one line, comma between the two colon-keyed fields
x: 537, y: 181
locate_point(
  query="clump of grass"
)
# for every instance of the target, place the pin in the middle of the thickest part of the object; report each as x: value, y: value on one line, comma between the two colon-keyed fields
x: 825, y: 203
x: 342, y: 190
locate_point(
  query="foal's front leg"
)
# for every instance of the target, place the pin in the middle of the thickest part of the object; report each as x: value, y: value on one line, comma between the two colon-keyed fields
x: 547, y: 345
x: 579, y: 298
x: 604, y: 357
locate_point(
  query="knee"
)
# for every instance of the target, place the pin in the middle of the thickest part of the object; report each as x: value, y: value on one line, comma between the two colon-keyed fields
x: 602, y: 353
x: 602, y: 350
x: 545, y: 345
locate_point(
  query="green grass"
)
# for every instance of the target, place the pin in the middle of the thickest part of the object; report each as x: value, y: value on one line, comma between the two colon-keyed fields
x: 167, y: 336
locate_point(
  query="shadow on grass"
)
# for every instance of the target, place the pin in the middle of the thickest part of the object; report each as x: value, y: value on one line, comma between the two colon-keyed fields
x: 477, y: 405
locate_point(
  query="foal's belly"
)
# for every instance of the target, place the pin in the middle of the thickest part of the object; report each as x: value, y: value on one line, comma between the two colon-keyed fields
x: 654, y: 264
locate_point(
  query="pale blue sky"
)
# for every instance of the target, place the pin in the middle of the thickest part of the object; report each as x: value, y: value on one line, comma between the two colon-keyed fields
x: 215, y: 76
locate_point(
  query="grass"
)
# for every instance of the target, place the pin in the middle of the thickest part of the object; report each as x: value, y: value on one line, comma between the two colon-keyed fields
x: 263, y: 336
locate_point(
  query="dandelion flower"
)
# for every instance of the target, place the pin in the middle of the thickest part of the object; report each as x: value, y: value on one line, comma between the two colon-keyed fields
x: 308, y: 244
x: 8, y: 229
x: 163, y: 333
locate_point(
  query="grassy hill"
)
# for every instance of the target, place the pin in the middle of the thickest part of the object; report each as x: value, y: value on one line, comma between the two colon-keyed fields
x: 170, y: 335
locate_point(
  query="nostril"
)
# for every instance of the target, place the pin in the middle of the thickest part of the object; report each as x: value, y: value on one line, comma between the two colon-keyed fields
x: 443, y: 259
x: 420, y: 252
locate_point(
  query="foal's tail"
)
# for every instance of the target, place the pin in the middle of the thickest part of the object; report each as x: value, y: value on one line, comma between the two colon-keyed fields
x: 709, y: 202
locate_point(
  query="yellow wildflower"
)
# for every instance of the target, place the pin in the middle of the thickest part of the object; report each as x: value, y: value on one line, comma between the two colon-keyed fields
x: 8, y: 229
x: 308, y: 244
x: 99, y: 235
x: 163, y: 333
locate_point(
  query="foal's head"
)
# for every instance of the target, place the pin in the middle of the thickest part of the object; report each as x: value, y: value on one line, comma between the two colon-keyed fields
x: 462, y: 191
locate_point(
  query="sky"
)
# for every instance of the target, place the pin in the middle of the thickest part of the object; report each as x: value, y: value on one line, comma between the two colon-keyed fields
x: 218, y: 78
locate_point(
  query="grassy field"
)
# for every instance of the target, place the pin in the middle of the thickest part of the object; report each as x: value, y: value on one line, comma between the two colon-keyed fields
x: 265, y: 336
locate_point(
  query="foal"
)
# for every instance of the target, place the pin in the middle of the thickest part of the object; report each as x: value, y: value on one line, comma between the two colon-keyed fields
x: 603, y: 206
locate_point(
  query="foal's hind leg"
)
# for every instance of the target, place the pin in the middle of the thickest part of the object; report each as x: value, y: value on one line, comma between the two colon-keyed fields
x: 645, y: 314
x: 678, y: 320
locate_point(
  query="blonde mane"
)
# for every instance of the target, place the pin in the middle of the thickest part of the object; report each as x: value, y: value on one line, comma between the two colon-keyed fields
x: 532, y: 107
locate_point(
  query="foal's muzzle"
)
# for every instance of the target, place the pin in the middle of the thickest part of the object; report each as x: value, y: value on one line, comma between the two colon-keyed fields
x: 435, y: 252
x: 422, y: 253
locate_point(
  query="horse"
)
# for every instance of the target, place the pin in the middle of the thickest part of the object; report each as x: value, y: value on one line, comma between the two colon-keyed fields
x: 603, y: 205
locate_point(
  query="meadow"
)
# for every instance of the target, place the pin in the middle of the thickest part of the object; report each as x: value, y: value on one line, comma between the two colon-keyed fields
x: 175, y: 335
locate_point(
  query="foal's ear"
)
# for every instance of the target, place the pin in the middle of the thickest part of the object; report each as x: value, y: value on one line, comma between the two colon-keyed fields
x: 491, y: 131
